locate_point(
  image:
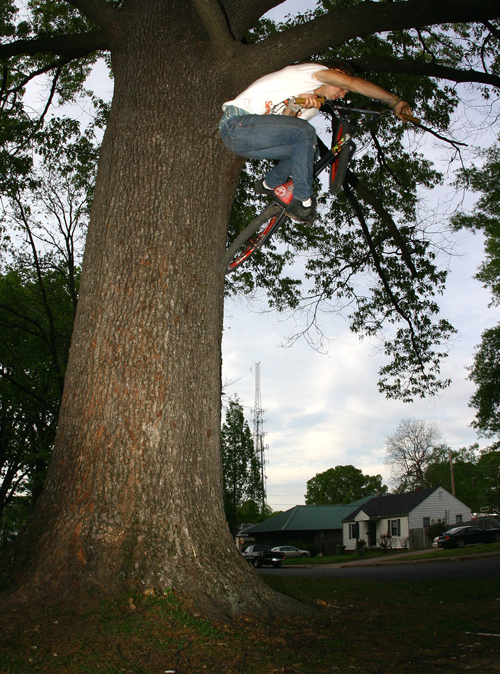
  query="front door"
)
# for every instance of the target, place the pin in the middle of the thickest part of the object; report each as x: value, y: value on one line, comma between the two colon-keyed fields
x: 372, y: 534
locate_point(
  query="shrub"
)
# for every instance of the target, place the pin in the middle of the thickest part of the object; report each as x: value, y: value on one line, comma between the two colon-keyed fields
x: 436, y: 528
x: 385, y: 542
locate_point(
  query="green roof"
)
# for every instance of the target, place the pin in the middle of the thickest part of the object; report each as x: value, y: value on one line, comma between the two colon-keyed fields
x: 306, y: 518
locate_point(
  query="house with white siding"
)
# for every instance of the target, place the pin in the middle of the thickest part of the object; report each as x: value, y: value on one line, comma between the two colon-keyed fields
x: 392, y: 516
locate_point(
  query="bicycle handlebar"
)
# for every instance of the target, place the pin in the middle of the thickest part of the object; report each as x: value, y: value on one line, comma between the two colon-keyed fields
x: 301, y: 100
x: 407, y: 118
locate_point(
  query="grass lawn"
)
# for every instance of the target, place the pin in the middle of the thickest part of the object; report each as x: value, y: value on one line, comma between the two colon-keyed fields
x: 362, y: 627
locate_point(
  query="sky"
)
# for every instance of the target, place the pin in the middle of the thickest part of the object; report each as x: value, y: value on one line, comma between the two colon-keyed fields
x: 324, y: 410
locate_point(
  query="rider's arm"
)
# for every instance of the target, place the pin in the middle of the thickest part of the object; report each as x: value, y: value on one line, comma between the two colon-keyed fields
x: 364, y: 87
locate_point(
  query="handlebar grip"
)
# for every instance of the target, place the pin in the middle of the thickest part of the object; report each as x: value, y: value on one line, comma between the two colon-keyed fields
x: 301, y: 100
x: 409, y: 118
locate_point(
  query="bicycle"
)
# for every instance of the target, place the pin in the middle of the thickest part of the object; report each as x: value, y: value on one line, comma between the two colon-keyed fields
x: 345, y: 122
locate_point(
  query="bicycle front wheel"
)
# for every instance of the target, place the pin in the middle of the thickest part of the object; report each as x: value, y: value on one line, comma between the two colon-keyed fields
x: 253, y: 237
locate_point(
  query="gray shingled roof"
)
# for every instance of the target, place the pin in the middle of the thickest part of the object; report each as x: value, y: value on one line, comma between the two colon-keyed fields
x: 391, y: 505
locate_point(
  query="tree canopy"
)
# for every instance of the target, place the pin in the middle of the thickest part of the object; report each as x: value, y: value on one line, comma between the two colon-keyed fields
x: 475, y: 475
x: 409, y: 450
x: 342, y: 484
x: 45, y: 220
x: 359, y: 236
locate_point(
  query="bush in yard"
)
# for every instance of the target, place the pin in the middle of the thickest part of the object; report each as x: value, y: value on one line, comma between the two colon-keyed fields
x: 385, y: 542
x: 436, y: 528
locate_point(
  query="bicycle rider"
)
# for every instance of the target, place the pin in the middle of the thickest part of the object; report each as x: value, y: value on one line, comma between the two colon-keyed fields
x: 261, y: 124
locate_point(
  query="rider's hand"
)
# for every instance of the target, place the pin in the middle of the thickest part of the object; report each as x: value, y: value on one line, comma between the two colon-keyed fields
x: 311, y: 101
x: 402, y: 107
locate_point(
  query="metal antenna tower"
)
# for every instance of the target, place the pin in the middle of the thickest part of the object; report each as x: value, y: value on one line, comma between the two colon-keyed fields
x: 258, y: 432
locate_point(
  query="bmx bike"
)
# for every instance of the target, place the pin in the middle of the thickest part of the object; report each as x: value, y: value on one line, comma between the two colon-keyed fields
x: 345, y: 122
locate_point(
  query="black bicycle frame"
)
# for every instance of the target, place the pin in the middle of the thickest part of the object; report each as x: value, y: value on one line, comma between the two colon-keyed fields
x: 326, y: 154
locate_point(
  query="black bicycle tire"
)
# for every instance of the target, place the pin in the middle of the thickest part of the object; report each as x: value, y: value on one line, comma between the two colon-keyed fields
x: 229, y: 264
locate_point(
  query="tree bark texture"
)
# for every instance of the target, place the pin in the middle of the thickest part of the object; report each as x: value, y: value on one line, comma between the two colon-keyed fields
x: 134, y: 491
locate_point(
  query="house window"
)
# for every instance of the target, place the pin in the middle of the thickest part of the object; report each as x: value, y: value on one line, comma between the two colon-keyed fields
x: 353, y: 530
x: 459, y: 519
x: 427, y: 522
x: 395, y: 527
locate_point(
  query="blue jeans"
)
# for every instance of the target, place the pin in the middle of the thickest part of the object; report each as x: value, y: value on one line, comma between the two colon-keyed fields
x: 289, y: 139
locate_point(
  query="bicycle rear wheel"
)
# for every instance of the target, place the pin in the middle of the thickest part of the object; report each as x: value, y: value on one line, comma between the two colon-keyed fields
x: 252, y: 237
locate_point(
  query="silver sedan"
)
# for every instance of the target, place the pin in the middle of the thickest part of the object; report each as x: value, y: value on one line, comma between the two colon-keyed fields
x: 292, y: 551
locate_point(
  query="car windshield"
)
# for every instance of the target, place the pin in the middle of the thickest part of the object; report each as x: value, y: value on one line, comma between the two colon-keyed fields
x: 452, y: 531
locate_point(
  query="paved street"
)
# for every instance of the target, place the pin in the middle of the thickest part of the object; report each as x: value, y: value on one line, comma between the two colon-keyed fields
x: 458, y: 568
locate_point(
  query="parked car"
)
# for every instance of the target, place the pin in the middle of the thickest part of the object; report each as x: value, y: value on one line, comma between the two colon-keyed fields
x: 263, y: 555
x: 292, y: 551
x: 459, y: 537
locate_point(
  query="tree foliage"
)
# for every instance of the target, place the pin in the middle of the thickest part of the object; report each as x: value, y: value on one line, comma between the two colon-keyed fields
x: 359, y: 234
x: 485, y: 371
x: 45, y: 220
x: 241, y: 467
x: 342, y: 484
x: 351, y: 245
x: 36, y: 320
x: 476, y: 475
x: 409, y: 450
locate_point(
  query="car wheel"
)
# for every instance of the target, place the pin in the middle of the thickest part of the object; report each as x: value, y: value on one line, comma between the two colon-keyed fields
x: 460, y: 543
x: 256, y: 563
x: 303, y: 554
x: 496, y: 538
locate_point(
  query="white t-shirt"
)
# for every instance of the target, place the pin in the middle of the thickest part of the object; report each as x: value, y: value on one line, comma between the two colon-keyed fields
x: 266, y: 94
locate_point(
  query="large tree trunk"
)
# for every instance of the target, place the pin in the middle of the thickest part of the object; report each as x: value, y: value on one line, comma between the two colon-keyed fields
x: 134, y: 492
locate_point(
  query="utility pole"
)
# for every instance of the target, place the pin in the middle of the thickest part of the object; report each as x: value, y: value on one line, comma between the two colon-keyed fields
x: 258, y: 432
x: 452, y: 475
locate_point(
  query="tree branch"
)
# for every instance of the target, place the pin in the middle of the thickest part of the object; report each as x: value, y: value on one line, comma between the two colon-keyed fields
x: 493, y: 29
x: 98, y: 11
x: 379, y: 209
x: 21, y: 387
x: 398, y: 66
x: 215, y: 23
x: 378, y: 266
x: 368, y: 18
x: 243, y: 15
x: 69, y: 46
